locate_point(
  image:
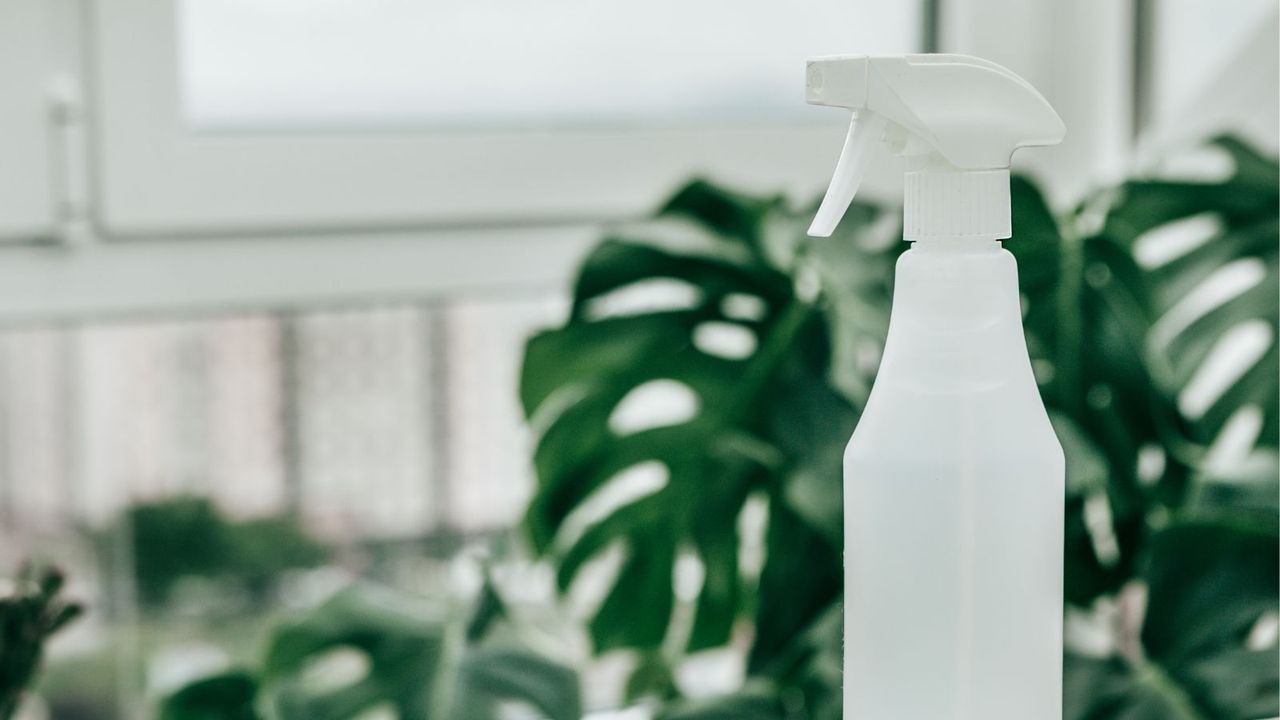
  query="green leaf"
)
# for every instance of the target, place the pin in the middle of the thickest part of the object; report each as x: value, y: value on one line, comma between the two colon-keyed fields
x: 229, y: 696
x: 767, y: 418
x: 493, y: 675
x: 1246, y: 207
x: 416, y: 665
x: 807, y: 578
x: 402, y: 642
x: 489, y: 610
x: 652, y: 676
x: 1110, y: 689
x: 1086, y: 311
x: 1209, y: 582
x: 1120, y: 357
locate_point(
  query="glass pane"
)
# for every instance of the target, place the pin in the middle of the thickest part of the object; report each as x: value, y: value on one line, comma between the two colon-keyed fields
x: 335, y: 63
x: 1194, y: 42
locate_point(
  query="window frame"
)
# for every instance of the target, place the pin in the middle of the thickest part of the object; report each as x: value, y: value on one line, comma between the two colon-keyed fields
x: 27, y: 208
x: 157, y: 242
x: 157, y: 177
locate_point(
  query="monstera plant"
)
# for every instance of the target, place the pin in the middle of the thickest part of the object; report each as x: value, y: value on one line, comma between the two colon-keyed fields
x: 410, y: 658
x: 692, y: 410
x: 766, y: 341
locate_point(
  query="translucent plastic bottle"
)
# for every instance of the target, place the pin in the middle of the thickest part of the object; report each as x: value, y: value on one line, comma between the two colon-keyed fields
x: 954, y: 477
x: 954, y: 506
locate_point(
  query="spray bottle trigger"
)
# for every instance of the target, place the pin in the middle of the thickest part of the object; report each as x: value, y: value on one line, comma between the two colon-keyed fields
x: 864, y: 130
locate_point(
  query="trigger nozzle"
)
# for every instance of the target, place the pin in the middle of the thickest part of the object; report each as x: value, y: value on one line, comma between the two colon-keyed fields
x: 864, y: 130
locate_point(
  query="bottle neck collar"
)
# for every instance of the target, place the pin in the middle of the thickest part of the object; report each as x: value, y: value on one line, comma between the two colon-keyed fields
x: 956, y: 245
x: 957, y: 204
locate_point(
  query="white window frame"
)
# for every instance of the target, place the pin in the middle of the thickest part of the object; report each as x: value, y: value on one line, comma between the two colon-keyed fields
x: 26, y: 183
x: 156, y: 176
x: 182, y: 221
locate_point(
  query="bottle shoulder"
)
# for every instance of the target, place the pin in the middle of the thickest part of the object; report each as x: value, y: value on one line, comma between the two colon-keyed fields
x: 932, y: 428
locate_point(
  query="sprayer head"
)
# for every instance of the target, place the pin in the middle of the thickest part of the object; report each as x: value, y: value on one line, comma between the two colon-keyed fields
x: 961, y: 116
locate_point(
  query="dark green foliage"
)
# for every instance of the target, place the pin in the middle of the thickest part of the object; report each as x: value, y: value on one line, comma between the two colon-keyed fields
x: 772, y: 423
x: 228, y: 696
x: 1197, y: 539
x: 414, y: 657
x: 31, y: 610
x: 189, y: 537
x: 768, y: 422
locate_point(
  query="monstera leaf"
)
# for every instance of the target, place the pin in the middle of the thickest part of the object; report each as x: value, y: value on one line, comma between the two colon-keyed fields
x: 1204, y: 294
x: 1119, y: 335
x: 1207, y: 645
x: 1086, y: 309
x: 229, y: 696
x: 410, y: 658
x: 402, y: 645
x: 762, y: 418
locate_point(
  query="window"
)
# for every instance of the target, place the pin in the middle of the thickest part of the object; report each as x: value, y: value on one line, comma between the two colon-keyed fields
x: 347, y: 64
x: 544, y: 156
x: 1211, y: 68
x: 26, y: 185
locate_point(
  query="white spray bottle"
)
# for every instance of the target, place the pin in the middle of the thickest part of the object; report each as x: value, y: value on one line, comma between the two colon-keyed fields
x: 954, y: 479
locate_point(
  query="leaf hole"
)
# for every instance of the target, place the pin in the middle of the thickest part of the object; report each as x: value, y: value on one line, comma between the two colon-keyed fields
x: 753, y: 521
x: 725, y: 340
x: 592, y: 582
x: 657, y: 403
x: 337, y: 668
x: 1168, y: 242
x: 688, y: 576
x: 1151, y: 464
x: 743, y: 307
x: 1044, y: 371
x: 1098, y: 521
x: 382, y: 711
x: 517, y: 710
x: 866, y: 356
x: 1230, y: 451
x: 1265, y: 632
x: 625, y: 487
x: 1239, y: 349
x: 1223, y: 285
x: 642, y: 297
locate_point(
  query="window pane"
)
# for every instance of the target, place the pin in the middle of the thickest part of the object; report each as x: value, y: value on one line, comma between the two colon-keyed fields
x: 1194, y: 43
x: 327, y: 63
